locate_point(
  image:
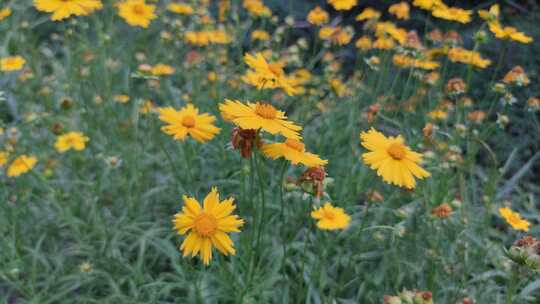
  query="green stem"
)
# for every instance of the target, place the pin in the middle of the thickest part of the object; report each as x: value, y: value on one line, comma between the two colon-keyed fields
x: 512, y: 284
x: 282, y: 212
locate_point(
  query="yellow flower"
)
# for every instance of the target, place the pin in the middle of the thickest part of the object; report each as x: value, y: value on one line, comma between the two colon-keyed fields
x: 3, y: 158
x: 364, y: 43
x: 197, y: 38
x: 395, y: 162
x: 317, y: 16
x: 203, y: 38
x: 162, y: 69
x: 147, y: 107
x: 514, y: 219
x: 491, y: 15
x: 384, y: 43
x: 13, y: 63
x: 265, y: 75
x: 407, y: 61
x: 260, y: 35
x: 121, y: 98
x: 136, y: 12
x: 62, y: 9
x: 452, y: 14
x: 257, y: 8
x: 400, y: 10
x: 428, y: 4
x: 438, y: 114
x: 180, y: 8
x: 259, y: 116
x: 339, y: 87
x: 4, y: 13
x: 457, y: 54
x: 71, y: 140
x: 509, y: 33
x: 207, y: 226
x: 336, y: 34
x: 21, y: 165
x: 343, y: 5
x: 330, y: 218
x: 367, y: 14
x: 188, y: 121
x: 294, y: 151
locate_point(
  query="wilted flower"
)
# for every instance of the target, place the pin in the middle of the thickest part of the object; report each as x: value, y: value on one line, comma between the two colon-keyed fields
x: 516, y: 76
x: 526, y: 252
x: 456, y: 86
x: 442, y: 211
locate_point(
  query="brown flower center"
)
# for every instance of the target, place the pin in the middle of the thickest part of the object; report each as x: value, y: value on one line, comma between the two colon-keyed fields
x: 205, y: 225
x: 276, y: 69
x: 397, y: 151
x: 295, y: 144
x: 138, y: 9
x: 329, y: 215
x: 188, y: 121
x: 265, y: 110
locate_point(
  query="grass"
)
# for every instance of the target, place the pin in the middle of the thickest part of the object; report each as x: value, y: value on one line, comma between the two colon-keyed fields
x: 94, y: 226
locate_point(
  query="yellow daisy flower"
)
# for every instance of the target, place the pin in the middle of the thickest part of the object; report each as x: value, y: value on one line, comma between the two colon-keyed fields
x: 395, y: 162
x: 21, y: 165
x: 452, y: 14
x: 367, y: 14
x: 62, y: 9
x: 207, y: 226
x: 317, y: 16
x: 514, y: 219
x: 9, y: 64
x: 162, y: 69
x: 71, y: 140
x: 492, y: 14
x: 181, y: 8
x: 4, y: 13
x: 343, y: 5
x: 259, y: 116
x: 260, y: 35
x: 265, y: 75
x: 330, y: 218
x: 509, y: 33
x: 400, y: 10
x: 3, y: 158
x: 294, y: 151
x: 136, y: 12
x: 188, y: 121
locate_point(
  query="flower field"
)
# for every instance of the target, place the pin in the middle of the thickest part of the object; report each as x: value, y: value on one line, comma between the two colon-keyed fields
x: 250, y: 151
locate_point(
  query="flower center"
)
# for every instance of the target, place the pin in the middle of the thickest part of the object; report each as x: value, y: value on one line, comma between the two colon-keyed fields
x: 188, y: 121
x: 329, y: 215
x: 397, y: 151
x: 276, y: 69
x: 295, y: 144
x: 138, y: 9
x: 265, y: 110
x: 205, y: 225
